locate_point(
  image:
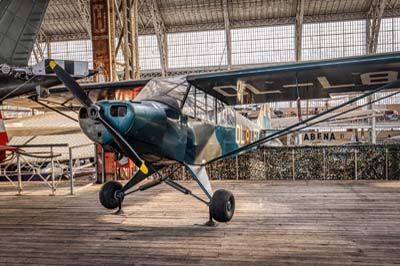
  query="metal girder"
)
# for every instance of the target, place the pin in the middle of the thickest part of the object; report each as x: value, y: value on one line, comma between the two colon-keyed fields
x: 84, y: 10
x: 127, y: 25
x: 299, y: 28
x: 267, y: 22
x: 111, y: 34
x: 228, y: 39
x: 125, y: 44
x: 69, y: 37
x: 374, y: 18
x: 161, y: 34
x: 134, y: 37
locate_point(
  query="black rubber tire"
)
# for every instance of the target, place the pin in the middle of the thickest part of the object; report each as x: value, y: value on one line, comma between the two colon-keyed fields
x: 222, y: 205
x: 107, y: 194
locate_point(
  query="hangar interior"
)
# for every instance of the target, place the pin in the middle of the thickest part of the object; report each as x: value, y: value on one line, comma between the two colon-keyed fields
x: 303, y: 197
x: 182, y: 37
x: 168, y: 38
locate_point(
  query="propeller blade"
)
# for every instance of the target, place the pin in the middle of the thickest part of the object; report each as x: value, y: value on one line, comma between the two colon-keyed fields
x: 124, y: 145
x: 70, y: 83
x: 78, y: 92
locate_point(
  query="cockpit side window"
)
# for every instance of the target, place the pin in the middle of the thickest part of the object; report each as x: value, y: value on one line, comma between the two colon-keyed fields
x: 118, y: 110
x: 200, y: 105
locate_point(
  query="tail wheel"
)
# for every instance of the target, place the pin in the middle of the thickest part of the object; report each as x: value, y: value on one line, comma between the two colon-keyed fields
x: 108, y: 195
x: 222, y: 205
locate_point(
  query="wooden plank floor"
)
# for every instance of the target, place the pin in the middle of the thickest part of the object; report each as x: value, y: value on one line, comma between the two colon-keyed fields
x: 276, y: 223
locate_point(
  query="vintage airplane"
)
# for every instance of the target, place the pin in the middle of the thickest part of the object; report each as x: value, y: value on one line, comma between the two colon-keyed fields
x: 189, y: 119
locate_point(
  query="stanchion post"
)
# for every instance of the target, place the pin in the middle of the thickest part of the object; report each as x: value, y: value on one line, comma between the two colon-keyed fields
x: 324, y: 162
x: 237, y: 167
x: 355, y: 164
x: 103, y: 166
x: 96, y: 162
x: 19, y: 187
x: 293, y: 169
x: 387, y: 163
x: 52, y: 172
x: 71, y: 172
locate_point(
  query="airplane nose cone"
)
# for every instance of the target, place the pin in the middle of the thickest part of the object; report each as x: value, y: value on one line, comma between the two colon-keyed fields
x: 92, y: 127
x: 120, y: 116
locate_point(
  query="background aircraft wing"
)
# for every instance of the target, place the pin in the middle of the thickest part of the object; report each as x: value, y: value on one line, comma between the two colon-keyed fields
x: 308, y: 80
x: 127, y: 84
x: 20, y: 22
x: 58, y: 96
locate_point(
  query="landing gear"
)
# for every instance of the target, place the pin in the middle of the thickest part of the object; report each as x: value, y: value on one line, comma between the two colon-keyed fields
x: 109, y: 196
x: 221, y: 203
x: 222, y: 206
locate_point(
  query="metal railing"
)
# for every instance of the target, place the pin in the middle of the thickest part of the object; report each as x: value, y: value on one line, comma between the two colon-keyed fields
x: 36, y: 170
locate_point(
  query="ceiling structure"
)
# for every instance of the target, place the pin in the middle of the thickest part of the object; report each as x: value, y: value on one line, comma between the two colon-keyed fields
x: 69, y: 19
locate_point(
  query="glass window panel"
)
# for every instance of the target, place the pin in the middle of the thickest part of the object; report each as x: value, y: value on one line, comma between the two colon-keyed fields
x: 262, y: 45
x: 333, y: 39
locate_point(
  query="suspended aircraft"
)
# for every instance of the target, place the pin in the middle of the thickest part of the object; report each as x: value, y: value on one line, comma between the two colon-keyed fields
x: 189, y: 119
x: 20, y: 23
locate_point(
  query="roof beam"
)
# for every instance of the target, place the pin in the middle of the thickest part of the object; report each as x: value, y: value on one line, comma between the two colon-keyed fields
x: 228, y: 38
x: 161, y: 34
x: 374, y: 18
x: 299, y: 28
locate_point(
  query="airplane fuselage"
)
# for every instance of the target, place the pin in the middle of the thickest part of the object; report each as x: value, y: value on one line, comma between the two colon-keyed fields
x: 162, y: 134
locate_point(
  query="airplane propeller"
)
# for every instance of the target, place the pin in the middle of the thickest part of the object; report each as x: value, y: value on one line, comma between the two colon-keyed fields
x: 94, y: 111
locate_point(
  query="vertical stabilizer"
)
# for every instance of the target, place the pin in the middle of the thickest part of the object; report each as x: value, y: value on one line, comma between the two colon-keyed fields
x: 20, y: 22
x: 3, y: 139
x: 264, y: 117
x: 3, y: 132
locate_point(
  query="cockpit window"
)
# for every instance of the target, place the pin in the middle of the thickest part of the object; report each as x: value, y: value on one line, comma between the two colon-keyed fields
x: 118, y: 111
x: 171, y: 90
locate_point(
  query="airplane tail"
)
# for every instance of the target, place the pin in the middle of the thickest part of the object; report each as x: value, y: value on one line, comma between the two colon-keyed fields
x: 264, y: 123
x: 264, y: 117
x: 3, y: 138
x: 20, y: 22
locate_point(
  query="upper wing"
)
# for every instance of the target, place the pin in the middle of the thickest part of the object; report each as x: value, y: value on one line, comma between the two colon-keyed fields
x: 300, y: 80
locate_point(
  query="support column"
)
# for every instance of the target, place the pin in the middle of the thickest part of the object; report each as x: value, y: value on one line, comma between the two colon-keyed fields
x: 83, y: 9
x: 299, y: 28
x: 125, y: 44
x: 129, y: 38
x: 161, y: 34
x: 134, y: 39
x: 227, y: 33
x: 374, y: 18
x: 48, y: 45
x: 112, y: 38
x: 100, y: 38
x: 100, y: 13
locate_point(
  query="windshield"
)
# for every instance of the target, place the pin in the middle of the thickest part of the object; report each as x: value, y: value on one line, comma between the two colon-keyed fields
x: 169, y: 90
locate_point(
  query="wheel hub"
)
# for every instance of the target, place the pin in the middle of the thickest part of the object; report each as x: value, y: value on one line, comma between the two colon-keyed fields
x: 229, y: 206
